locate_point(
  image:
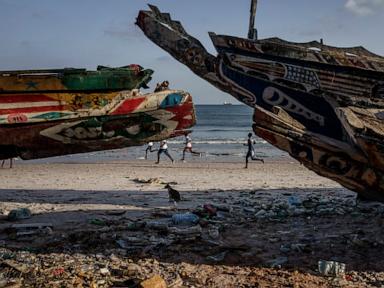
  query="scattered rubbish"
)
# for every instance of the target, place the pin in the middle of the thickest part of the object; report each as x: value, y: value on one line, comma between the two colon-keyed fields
x: 185, y: 219
x: 97, y: 221
x: 331, y: 268
x: 278, y: 262
x: 58, y: 271
x: 249, y: 210
x: 116, y: 212
x: 30, y: 229
x: 214, y: 233
x: 157, y: 181
x: 210, y: 209
x: 136, y: 226
x: 15, y: 265
x: 296, y: 247
x: 19, y: 214
x: 218, y: 257
x: 285, y: 248
x: 155, y: 282
x: 294, y: 200
x: 190, y: 231
x: 157, y: 225
x: 104, y: 271
x: 261, y: 213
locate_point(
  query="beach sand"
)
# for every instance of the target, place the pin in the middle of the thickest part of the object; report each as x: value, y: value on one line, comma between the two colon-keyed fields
x: 277, y: 214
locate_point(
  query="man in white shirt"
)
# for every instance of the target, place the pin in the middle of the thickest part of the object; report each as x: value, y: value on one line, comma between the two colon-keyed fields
x: 163, y: 149
x: 188, y: 147
x: 150, y: 149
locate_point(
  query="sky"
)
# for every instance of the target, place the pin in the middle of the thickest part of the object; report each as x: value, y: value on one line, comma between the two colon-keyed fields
x: 85, y: 33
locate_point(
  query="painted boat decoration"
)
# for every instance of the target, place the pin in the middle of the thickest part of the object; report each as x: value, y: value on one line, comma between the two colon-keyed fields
x: 324, y: 105
x: 98, y: 110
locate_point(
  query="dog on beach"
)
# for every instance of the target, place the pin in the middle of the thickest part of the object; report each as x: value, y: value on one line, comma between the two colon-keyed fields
x: 173, y: 194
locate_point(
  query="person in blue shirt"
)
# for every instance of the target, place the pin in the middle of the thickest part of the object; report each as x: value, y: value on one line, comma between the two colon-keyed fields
x: 251, y: 151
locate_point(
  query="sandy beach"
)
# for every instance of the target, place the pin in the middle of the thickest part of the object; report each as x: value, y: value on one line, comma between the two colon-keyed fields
x: 272, y: 224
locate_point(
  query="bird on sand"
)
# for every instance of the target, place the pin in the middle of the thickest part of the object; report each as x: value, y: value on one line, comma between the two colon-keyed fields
x: 173, y: 194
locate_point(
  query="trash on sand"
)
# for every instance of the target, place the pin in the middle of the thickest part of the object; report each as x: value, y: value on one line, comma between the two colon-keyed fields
x: 185, y: 219
x: 157, y: 225
x: 331, y: 268
x: 155, y: 282
x: 97, y: 221
x: 136, y: 226
x: 210, y: 209
x: 278, y: 262
x: 218, y: 257
x: 194, y: 230
x: 153, y: 181
x: 17, y: 266
x: 294, y: 201
x: 214, y: 232
x: 31, y: 229
x: 19, y: 214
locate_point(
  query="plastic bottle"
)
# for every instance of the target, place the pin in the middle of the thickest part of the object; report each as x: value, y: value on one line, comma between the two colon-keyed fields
x: 185, y: 219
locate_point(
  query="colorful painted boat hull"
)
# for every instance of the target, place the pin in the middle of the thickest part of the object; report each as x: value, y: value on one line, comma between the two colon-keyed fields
x: 333, y: 97
x: 127, y: 119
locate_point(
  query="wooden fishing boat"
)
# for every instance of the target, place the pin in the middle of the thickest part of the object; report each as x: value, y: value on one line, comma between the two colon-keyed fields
x: 322, y: 104
x: 46, y: 113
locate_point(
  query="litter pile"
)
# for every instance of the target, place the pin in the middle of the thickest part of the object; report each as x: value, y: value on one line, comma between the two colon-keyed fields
x: 243, y: 240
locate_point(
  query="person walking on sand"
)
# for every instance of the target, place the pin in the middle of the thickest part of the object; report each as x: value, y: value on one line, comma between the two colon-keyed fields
x: 10, y: 163
x: 163, y: 149
x: 251, y: 151
x: 188, y: 147
x: 150, y: 149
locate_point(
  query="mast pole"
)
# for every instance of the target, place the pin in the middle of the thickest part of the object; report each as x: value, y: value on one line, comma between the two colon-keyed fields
x: 252, y: 32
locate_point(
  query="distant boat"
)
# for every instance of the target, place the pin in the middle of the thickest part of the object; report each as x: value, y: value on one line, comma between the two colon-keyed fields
x: 227, y: 103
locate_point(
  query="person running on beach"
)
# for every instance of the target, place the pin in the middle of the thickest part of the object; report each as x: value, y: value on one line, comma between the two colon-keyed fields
x: 150, y: 149
x: 163, y: 149
x: 251, y: 151
x: 188, y: 147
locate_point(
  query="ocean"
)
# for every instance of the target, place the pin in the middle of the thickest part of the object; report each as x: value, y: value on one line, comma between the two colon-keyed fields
x: 220, y: 134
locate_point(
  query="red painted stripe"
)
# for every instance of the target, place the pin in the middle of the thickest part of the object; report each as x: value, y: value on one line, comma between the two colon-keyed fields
x: 25, y: 98
x: 128, y: 106
x: 33, y: 109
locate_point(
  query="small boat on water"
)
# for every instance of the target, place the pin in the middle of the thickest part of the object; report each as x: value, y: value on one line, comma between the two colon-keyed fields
x: 46, y: 113
x: 324, y: 105
x: 225, y: 103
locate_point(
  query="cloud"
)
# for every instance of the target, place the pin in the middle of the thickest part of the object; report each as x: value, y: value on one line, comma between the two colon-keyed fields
x: 364, y: 7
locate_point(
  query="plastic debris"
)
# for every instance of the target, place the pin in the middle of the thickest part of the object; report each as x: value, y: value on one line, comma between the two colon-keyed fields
x: 185, y: 219
x: 97, y: 221
x: 278, y: 262
x: 218, y: 257
x: 331, y: 268
x: 19, y: 214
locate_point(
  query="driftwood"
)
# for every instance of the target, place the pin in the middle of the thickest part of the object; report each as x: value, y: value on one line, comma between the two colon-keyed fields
x: 322, y: 104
